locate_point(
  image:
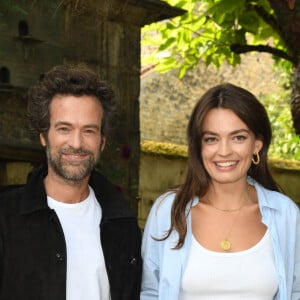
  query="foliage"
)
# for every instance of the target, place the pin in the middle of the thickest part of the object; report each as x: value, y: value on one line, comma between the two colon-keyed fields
x: 209, y: 31
x: 285, y: 142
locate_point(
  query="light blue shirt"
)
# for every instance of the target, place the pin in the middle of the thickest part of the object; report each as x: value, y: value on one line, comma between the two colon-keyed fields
x: 163, y: 266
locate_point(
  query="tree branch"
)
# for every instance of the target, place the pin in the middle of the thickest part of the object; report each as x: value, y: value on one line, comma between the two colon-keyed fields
x: 239, y: 49
x: 271, y: 21
x: 266, y: 17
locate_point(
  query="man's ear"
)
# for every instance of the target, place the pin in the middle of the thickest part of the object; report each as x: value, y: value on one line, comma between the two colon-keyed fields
x: 103, y: 143
x: 43, y: 140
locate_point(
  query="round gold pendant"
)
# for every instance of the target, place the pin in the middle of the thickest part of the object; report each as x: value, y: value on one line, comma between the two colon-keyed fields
x: 225, y: 245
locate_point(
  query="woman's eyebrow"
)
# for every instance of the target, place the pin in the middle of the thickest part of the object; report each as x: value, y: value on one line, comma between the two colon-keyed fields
x: 231, y: 133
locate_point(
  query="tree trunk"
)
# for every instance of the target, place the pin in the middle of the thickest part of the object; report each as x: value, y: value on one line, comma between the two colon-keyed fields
x: 288, y: 18
x: 295, y: 103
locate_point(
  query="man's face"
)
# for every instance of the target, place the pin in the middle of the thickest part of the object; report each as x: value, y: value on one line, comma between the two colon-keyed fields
x: 74, y: 140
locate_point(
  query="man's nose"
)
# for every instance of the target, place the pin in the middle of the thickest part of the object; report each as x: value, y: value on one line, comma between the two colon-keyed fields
x: 76, y: 139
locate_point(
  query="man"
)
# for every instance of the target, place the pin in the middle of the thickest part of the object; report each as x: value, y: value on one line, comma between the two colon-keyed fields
x: 68, y: 233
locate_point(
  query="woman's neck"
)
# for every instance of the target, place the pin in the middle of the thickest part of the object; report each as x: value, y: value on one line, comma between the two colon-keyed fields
x: 230, y: 197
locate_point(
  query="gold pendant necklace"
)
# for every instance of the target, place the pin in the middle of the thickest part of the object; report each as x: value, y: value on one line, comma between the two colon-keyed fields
x: 225, y: 244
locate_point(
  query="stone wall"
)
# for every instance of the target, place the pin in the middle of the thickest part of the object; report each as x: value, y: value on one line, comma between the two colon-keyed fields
x: 13, y: 121
x: 19, y: 149
x: 30, y: 45
x: 166, y: 102
x: 157, y: 175
x: 104, y: 35
x: 31, y: 42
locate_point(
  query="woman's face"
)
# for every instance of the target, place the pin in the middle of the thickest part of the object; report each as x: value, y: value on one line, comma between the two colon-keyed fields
x: 227, y: 146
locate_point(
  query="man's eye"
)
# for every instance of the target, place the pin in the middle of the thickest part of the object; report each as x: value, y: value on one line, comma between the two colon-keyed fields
x: 63, y: 129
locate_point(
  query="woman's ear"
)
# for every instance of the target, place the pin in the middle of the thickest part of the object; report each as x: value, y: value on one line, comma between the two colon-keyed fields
x: 258, y: 145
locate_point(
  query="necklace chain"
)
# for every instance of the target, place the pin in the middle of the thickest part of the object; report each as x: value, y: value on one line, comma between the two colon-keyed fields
x: 225, y: 244
x: 230, y: 210
x: 226, y: 210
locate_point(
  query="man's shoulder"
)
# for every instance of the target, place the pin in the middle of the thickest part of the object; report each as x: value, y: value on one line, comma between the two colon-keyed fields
x: 10, y: 199
x: 13, y: 193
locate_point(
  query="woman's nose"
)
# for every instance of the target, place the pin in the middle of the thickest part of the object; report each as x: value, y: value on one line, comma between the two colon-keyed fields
x: 224, y: 147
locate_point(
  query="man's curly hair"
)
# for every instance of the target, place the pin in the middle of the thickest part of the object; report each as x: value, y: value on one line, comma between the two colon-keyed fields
x: 67, y: 80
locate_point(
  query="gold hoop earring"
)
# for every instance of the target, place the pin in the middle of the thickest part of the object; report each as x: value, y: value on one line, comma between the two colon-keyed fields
x: 256, y: 158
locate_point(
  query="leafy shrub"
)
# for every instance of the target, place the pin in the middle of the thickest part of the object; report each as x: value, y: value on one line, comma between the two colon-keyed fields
x: 285, y: 144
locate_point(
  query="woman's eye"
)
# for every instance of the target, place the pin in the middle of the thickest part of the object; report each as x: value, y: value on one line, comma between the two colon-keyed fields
x: 239, y: 138
x: 209, y: 140
x: 89, y: 132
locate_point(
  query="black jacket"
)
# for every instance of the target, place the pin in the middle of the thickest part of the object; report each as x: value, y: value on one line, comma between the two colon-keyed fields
x: 33, y: 248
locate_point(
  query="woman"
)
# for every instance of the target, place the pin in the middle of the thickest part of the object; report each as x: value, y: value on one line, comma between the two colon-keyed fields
x: 227, y: 232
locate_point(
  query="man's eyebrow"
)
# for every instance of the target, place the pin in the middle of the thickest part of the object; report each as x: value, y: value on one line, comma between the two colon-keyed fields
x: 64, y: 123
x: 95, y: 126
x: 60, y: 123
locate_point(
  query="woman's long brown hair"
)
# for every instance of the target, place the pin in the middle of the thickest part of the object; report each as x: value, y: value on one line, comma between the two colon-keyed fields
x: 246, y: 106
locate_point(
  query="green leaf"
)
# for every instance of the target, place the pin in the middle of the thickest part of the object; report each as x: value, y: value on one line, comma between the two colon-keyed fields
x: 182, y: 71
x: 249, y: 21
x: 167, y: 44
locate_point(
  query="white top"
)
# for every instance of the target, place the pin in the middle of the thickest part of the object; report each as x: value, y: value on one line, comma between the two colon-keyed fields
x: 248, y: 274
x: 86, y: 272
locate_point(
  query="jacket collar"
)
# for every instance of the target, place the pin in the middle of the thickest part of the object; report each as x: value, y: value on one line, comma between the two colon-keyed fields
x: 112, y: 202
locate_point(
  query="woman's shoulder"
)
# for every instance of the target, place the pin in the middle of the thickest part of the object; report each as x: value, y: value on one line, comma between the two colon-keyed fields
x: 275, y: 199
x: 159, y: 218
x: 164, y: 202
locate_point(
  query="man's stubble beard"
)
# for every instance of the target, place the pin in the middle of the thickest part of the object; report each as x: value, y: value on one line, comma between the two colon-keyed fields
x: 71, y: 171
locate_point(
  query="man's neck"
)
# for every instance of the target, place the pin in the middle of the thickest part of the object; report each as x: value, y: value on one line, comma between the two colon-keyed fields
x: 66, y: 191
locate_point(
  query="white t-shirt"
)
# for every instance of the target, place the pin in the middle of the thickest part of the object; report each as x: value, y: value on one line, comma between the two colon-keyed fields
x: 248, y: 274
x: 86, y: 273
